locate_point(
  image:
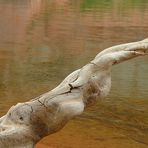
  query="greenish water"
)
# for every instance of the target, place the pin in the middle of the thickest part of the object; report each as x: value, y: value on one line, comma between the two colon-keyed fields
x: 42, y: 41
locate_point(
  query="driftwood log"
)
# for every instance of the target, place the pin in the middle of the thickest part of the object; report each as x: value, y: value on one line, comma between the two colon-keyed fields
x: 27, y: 123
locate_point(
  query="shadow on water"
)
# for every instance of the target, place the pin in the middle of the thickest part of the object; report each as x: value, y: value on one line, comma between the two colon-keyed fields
x: 42, y: 41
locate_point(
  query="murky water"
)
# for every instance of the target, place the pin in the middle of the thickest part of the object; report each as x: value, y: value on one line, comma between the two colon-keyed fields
x: 42, y: 41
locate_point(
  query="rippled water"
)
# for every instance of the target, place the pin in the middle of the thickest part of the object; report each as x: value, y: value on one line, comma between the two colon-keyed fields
x: 42, y: 41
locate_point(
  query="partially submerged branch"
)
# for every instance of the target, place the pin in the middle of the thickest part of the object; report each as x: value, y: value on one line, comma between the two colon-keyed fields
x: 27, y: 123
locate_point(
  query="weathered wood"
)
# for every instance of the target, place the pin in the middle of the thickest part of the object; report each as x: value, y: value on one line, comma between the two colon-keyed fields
x: 27, y: 123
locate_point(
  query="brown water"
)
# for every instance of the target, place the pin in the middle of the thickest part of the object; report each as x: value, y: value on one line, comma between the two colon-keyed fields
x: 42, y: 41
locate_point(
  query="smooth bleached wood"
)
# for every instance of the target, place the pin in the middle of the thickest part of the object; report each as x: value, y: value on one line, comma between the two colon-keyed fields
x: 27, y: 123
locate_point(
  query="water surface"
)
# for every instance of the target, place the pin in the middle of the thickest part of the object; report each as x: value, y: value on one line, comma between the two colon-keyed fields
x: 42, y: 41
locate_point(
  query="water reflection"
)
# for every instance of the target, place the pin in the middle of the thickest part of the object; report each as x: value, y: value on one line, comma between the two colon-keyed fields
x: 42, y: 41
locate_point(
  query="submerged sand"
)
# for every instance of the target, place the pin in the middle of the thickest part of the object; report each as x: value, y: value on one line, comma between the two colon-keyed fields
x: 90, y: 134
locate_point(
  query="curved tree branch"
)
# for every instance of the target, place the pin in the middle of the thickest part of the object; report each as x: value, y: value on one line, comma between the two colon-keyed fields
x: 27, y: 123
